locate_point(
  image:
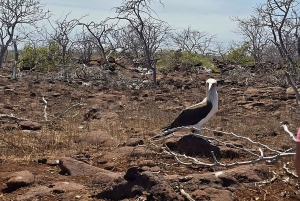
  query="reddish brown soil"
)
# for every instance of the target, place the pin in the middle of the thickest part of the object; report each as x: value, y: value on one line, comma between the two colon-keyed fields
x: 75, y: 110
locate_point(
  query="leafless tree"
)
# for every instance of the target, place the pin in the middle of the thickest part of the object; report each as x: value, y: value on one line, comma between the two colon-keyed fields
x: 193, y: 40
x: 125, y: 42
x: 149, y: 30
x: 15, y: 14
x: 271, y: 54
x: 100, y: 33
x: 221, y: 50
x: 254, y: 34
x: 281, y: 17
x: 62, y: 29
x: 83, y: 47
x: 128, y: 43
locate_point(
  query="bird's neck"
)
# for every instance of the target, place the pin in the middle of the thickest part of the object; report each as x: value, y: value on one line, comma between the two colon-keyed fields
x: 212, y: 97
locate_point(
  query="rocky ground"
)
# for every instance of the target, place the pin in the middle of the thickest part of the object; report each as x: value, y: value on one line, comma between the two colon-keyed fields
x: 91, y: 137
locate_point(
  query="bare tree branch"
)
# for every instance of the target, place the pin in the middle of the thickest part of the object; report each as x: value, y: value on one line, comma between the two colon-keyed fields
x: 99, y: 31
x: 254, y: 34
x: 193, y: 40
x: 149, y: 30
x: 16, y: 14
x: 61, y: 33
x: 183, y: 159
x: 281, y: 18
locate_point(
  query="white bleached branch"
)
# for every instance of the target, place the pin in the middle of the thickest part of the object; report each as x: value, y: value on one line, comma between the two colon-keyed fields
x: 288, y: 171
x: 186, y: 195
x: 45, y: 109
x: 287, y: 130
x: 268, y: 181
x: 258, y: 154
x: 245, y: 138
x: 194, y: 161
x: 77, y: 104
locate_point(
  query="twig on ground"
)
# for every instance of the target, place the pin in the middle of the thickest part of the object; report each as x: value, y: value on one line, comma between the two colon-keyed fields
x: 260, y: 156
x: 233, y: 146
x: 288, y: 171
x: 45, y: 109
x: 167, y: 164
x: 287, y: 130
x: 195, y: 161
x: 268, y: 181
x: 12, y: 117
x: 265, y: 195
x: 77, y: 104
x: 186, y: 195
x: 245, y: 138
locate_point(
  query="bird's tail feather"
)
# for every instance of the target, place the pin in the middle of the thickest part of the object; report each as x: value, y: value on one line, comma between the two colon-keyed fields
x: 166, y: 131
x: 166, y: 128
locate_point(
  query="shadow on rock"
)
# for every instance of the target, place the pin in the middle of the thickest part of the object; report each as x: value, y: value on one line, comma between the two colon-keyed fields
x: 138, y: 182
x: 192, y: 145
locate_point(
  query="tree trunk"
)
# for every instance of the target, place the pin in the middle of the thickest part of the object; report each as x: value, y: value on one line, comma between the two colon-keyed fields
x: 154, y: 75
x: 153, y: 68
x: 64, y: 49
x: 14, y: 70
x: 104, y: 55
x: 292, y: 67
x: 2, y: 54
x: 298, y: 45
x: 148, y: 57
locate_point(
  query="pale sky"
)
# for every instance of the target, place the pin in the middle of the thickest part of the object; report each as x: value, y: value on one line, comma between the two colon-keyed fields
x: 211, y: 16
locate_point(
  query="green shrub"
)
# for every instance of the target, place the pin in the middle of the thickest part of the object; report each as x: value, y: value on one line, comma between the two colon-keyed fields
x: 42, y: 58
x: 241, y: 55
x: 189, y: 59
x: 170, y: 59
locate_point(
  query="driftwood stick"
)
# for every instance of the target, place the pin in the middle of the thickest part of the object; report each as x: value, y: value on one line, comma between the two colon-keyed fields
x: 186, y: 195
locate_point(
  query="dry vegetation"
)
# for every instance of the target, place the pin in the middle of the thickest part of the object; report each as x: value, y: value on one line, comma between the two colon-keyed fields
x: 74, y: 111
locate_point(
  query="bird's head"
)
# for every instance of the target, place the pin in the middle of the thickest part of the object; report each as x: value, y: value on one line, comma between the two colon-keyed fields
x: 211, y: 85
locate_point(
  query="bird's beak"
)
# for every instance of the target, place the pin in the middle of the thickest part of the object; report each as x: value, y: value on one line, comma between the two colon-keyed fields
x: 209, y: 86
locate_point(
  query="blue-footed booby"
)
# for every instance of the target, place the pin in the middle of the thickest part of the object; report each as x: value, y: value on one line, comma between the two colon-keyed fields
x: 198, y: 114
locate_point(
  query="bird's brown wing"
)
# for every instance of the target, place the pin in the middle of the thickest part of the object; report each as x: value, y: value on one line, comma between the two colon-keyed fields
x: 201, y: 104
x: 191, y: 116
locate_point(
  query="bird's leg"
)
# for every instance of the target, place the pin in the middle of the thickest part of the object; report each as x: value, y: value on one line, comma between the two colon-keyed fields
x: 198, y: 134
x: 197, y: 131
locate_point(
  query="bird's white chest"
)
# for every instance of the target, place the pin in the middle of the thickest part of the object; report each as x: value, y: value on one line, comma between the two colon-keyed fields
x: 210, y: 114
x: 212, y: 111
